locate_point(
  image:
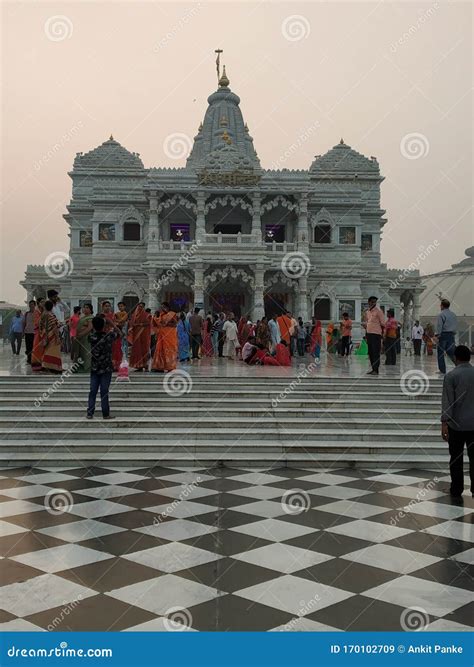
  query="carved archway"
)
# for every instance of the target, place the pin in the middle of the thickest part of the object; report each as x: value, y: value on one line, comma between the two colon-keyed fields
x: 231, y: 200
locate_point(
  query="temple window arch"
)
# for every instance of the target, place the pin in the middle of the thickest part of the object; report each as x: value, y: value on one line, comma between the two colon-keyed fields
x: 322, y: 227
x: 131, y: 225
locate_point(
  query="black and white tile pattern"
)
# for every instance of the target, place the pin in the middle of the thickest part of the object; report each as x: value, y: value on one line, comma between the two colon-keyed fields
x: 281, y: 549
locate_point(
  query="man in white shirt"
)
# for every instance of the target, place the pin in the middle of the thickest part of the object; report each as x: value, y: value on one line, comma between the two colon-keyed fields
x: 417, y: 336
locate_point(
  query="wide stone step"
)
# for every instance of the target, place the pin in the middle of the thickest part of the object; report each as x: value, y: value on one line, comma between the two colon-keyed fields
x: 230, y: 459
x: 234, y: 436
x: 276, y: 445
x: 124, y: 411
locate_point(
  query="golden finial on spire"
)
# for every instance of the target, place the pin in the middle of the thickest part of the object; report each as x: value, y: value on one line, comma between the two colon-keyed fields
x: 111, y: 138
x: 223, y: 81
x: 200, y: 127
x: 246, y: 128
x: 226, y: 137
x: 342, y: 141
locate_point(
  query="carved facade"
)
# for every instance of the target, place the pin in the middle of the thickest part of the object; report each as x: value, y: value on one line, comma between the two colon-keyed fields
x: 225, y: 233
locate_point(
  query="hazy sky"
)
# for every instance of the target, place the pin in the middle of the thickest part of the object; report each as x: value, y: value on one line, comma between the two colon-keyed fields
x: 375, y: 73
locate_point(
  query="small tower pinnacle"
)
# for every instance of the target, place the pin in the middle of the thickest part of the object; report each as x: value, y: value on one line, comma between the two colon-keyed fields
x: 223, y: 81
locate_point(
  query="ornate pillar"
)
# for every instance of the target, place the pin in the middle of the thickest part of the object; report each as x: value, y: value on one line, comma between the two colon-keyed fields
x: 200, y: 217
x: 198, y: 286
x: 152, y: 291
x: 416, y: 306
x: 256, y: 219
x: 153, y: 226
x: 302, y: 230
x: 302, y: 298
x: 258, y: 303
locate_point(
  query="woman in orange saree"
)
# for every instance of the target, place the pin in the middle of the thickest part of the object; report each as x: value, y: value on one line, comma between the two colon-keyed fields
x: 38, y: 348
x: 140, y: 335
x: 110, y: 322
x: 51, y: 340
x: 166, y: 351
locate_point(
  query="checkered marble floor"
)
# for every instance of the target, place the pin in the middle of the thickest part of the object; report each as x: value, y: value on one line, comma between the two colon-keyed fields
x: 282, y: 549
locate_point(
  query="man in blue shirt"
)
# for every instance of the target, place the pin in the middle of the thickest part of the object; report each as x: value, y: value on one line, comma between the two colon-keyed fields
x: 446, y: 327
x: 16, y: 332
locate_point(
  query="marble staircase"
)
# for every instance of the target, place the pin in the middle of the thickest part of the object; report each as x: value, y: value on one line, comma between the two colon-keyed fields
x: 322, y: 421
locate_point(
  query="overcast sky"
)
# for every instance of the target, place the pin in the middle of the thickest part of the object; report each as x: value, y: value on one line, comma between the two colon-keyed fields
x: 393, y: 79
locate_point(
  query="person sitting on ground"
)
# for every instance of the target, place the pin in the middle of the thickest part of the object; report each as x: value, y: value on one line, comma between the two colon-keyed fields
x: 101, y: 365
x: 263, y: 357
x: 249, y: 350
x: 282, y: 354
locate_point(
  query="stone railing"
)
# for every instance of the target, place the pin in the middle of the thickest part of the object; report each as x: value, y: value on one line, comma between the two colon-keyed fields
x: 280, y: 247
x: 174, y: 245
x: 229, y: 239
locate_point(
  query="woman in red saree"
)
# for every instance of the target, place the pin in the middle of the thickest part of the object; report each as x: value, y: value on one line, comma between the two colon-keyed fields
x: 140, y: 335
x: 207, y: 349
x: 282, y: 354
x: 38, y: 349
x: 166, y: 351
x: 316, y: 339
x: 51, y: 340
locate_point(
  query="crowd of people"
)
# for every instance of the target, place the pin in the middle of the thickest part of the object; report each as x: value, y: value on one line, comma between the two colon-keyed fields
x: 158, y: 341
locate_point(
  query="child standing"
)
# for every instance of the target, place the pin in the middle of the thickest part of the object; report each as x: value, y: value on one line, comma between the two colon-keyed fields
x: 101, y: 366
x: 408, y: 347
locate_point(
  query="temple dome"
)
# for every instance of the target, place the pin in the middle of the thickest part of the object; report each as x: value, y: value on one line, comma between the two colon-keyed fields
x: 342, y: 160
x: 109, y: 155
x: 455, y: 284
x: 223, y: 128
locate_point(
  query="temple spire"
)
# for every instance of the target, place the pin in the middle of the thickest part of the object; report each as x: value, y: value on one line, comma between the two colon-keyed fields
x: 223, y: 81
